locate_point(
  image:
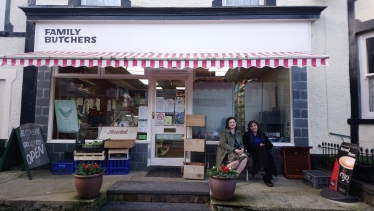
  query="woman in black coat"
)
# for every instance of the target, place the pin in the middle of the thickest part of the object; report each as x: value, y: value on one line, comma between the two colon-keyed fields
x: 259, y: 146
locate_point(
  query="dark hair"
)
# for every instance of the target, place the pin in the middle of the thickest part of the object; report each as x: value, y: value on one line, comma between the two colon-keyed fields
x: 228, y: 120
x: 251, y: 122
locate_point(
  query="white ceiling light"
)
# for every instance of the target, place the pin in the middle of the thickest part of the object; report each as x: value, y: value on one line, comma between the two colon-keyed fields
x: 144, y: 81
x: 219, y: 72
x: 180, y: 88
x: 135, y: 70
x: 158, y: 87
x: 214, y: 69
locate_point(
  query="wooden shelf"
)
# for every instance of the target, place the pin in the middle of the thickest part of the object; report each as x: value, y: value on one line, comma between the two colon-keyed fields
x: 194, y: 170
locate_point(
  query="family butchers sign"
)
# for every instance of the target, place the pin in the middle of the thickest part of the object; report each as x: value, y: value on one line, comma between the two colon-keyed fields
x: 66, y: 36
x: 25, y: 145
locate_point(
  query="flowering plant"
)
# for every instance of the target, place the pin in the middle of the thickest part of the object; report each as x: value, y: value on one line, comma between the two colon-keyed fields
x: 88, y: 169
x: 222, y: 171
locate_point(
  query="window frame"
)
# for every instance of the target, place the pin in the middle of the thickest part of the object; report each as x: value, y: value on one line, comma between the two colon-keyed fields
x: 260, y: 3
x: 101, y: 75
x: 84, y: 3
x: 364, y: 75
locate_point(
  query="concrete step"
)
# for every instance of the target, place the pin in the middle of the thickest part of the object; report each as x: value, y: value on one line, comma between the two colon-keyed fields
x: 160, y: 191
x: 153, y: 206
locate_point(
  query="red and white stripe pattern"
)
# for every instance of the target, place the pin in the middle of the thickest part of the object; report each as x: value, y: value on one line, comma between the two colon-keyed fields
x: 167, y: 60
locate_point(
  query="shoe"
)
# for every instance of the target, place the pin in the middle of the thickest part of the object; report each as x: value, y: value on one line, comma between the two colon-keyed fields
x: 269, y: 184
x: 262, y: 171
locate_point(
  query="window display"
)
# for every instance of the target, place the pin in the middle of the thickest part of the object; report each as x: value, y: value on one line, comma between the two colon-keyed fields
x: 102, y: 102
x: 256, y: 94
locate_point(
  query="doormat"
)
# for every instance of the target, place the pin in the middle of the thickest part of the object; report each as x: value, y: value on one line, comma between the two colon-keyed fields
x: 171, y: 173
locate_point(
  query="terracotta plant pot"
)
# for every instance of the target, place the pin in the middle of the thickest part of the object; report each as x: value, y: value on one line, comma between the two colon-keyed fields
x: 89, y: 186
x: 222, y: 188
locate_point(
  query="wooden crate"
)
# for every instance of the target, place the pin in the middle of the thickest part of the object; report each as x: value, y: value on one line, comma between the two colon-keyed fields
x: 194, y: 145
x: 192, y: 170
x: 195, y: 120
x: 89, y: 156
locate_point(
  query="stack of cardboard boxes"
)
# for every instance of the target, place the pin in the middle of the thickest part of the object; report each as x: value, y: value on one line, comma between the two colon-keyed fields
x: 118, y: 141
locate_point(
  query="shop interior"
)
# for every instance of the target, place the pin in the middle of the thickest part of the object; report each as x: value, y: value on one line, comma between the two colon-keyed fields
x: 262, y: 94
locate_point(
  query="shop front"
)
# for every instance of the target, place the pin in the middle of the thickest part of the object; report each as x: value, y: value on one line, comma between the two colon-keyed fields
x: 146, y: 75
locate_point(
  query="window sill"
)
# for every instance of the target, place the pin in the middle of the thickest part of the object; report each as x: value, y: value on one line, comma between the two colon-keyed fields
x: 72, y: 141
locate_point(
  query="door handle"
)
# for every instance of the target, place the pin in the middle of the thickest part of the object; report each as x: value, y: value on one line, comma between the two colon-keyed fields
x: 153, y: 115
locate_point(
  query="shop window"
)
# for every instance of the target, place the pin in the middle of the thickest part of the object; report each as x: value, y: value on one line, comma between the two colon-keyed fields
x: 366, y: 58
x: 101, y: 2
x: 248, y: 94
x: 99, y: 103
x: 2, y: 14
x: 242, y: 2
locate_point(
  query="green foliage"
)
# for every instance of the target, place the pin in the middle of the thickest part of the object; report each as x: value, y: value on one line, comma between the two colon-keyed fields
x: 88, y: 169
x: 222, y: 171
x: 94, y: 144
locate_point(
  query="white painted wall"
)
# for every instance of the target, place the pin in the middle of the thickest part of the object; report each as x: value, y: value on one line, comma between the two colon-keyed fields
x: 11, y: 77
x: 171, y: 3
x: 2, y: 14
x: 328, y: 87
x: 366, y: 136
x: 17, y: 16
x: 364, y: 10
x: 178, y: 37
x: 11, y: 98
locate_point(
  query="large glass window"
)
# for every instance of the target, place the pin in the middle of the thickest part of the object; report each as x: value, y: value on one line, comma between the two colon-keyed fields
x: 366, y: 58
x: 248, y: 94
x: 99, y: 103
x: 101, y: 2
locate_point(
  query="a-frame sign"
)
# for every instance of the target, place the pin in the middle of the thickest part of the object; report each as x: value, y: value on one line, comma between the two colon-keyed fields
x: 25, y: 146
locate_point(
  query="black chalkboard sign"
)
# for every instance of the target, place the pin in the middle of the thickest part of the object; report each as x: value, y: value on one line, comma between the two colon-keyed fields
x: 27, y: 146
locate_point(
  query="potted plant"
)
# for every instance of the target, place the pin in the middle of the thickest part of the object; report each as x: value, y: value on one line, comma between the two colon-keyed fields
x: 88, y: 180
x: 222, y: 182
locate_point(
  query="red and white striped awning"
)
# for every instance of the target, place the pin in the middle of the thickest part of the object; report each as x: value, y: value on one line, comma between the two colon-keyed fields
x: 167, y: 60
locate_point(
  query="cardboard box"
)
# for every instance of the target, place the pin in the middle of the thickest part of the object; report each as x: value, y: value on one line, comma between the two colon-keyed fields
x: 118, y: 137
x: 119, y: 144
x: 195, y: 120
x: 193, y: 170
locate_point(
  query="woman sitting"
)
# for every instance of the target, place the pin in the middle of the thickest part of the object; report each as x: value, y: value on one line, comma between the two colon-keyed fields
x: 259, y: 146
x: 231, y: 141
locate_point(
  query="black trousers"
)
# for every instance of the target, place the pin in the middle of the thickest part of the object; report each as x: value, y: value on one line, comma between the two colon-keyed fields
x: 262, y: 155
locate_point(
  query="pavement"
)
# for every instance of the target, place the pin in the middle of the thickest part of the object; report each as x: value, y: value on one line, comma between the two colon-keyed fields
x: 51, y: 192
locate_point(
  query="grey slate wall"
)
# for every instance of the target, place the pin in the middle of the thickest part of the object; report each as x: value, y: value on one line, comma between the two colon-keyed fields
x: 300, y: 106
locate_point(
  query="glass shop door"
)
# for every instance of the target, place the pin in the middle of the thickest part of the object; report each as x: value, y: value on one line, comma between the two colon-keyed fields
x: 168, y: 112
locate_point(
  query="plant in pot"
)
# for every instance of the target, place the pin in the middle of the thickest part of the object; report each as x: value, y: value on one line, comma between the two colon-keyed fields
x: 88, y: 180
x: 222, y: 182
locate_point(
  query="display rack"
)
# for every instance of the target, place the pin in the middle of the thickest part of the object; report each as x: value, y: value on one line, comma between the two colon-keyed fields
x: 240, y: 109
x: 194, y: 170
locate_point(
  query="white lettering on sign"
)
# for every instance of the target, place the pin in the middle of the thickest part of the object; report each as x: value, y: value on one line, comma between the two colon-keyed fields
x: 30, y: 132
x: 66, y: 36
x: 344, y: 149
x: 35, y: 154
x: 117, y: 132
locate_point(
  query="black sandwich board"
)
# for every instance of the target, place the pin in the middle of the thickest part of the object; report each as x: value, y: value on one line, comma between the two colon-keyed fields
x: 25, y: 146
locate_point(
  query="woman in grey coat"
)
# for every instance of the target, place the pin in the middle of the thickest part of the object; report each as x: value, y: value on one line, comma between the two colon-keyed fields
x: 231, y: 140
